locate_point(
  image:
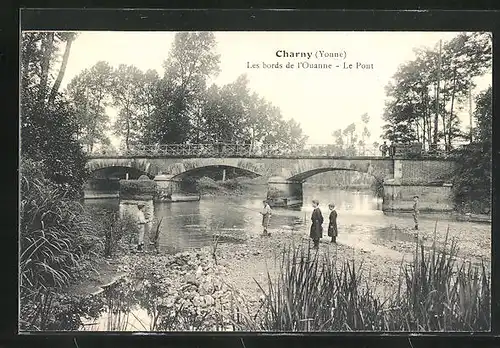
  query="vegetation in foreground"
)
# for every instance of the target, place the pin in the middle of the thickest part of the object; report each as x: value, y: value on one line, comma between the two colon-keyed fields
x: 61, y: 242
x: 313, y: 293
x: 309, y: 293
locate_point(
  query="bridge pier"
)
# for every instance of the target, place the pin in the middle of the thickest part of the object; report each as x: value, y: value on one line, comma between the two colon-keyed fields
x: 167, y: 185
x: 284, y: 193
x: 170, y: 189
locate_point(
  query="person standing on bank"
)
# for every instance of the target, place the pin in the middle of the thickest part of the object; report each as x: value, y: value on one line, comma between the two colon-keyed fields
x: 332, y: 226
x: 141, y: 225
x: 415, y: 211
x: 317, y: 224
x: 266, y: 217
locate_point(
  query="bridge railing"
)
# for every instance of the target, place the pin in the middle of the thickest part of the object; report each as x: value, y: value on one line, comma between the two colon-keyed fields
x: 230, y: 150
x: 247, y: 150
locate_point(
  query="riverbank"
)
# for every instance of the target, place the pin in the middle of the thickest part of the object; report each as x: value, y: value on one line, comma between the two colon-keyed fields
x: 209, y: 280
x: 257, y: 187
x: 232, y: 187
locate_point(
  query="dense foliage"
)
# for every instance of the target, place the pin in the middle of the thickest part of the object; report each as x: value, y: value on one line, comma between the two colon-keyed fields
x: 58, y: 243
x: 179, y: 107
x: 48, y: 125
x: 427, y: 92
x: 472, y: 182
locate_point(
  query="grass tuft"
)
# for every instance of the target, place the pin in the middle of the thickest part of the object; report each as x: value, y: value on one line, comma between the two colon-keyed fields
x: 316, y: 293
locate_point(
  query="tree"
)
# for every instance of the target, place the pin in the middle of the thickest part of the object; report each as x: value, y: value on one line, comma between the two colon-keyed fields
x: 48, y: 127
x: 483, y: 116
x: 234, y: 101
x: 90, y: 94
x: 146, y: 102
x: 435, y: 84
x: 365, y: 136
x: 191, y: 62
x: 472, y: 181
x: 466, y: 56
x: 259, y: 119
x: 127, y: 92
x: 295, y: 139
x: 68, y: 38
x: 338, y: 138
x: 350, y: 133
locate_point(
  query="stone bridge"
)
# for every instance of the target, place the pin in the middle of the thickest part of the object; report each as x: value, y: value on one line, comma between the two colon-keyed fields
x: 402, y: 178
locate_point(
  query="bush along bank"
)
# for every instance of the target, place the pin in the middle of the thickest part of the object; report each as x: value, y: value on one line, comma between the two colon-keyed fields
x: 237, y: 186
x: 310, y: 292
x: 62, y: 245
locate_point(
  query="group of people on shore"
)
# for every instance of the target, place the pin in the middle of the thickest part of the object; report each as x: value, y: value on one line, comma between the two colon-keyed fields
x: 316, y: 231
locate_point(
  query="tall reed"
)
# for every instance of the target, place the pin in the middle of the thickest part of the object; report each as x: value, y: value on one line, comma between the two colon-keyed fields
x: 317, y: 293
x: 58, y: 243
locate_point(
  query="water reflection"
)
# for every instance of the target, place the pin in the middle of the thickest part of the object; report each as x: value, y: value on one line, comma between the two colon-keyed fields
x: 121, y: 311
x: 394, y: 233
x: 193, y: 224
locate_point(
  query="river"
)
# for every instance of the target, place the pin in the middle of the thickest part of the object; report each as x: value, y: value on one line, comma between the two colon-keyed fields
x: 188, y: 225
x: 362, y: 226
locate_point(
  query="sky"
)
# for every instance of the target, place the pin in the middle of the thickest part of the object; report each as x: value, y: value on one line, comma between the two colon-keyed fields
x: 320, y: 100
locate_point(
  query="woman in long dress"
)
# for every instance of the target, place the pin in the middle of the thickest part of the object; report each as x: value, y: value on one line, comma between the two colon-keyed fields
x: 317, y: 224
x: 332, y: 226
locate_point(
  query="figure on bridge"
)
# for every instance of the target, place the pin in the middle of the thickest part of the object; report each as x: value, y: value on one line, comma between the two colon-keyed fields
x: 317, y: 224
x: 415, y: 211
x: 384, y: 148
x: 266, y: 217
x: 332, y: 226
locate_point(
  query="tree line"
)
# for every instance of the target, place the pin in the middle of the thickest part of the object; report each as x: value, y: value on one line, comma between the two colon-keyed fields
x: 180, y: 107
x: 426, y: 93
x: 424, y: 99
x: 49, y: 125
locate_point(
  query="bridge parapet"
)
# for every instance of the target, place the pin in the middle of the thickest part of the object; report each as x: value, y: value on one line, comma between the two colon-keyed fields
x: 225, y: 150
x: 230, y: 150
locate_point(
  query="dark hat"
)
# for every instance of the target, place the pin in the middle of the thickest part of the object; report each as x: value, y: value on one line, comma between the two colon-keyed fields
x: 415, y: 196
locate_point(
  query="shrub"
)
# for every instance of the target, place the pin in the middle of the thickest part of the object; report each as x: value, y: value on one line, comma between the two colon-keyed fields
x: 137, y: 188
x: 232, y: 184
x: 377, y: 187
x: 117, y: 231
x: 273, y: 193
x: 48, y: 137
x: 57, y: 234
x: 206, y: 185
x: 438, y: 294
x: 58, y: 240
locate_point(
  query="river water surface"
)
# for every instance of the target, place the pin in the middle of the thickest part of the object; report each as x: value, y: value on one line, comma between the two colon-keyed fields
x: 360, y: 220
x: 362, y: 226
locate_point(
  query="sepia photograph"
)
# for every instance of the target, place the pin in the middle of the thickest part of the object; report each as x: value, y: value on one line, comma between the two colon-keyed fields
x: 255, y: 181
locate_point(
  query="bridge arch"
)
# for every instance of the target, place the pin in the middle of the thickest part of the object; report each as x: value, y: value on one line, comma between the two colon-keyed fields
x: 142, y: 165
x: 303, y: 176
